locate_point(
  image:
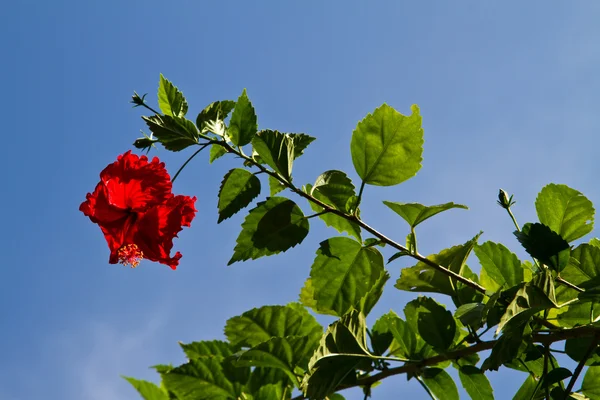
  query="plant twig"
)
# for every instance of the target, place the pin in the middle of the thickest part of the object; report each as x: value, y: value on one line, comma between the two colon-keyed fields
x: 202, y: 147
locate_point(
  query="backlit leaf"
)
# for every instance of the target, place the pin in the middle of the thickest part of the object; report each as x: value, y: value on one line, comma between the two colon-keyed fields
x: 261, y: 324
x: 591, y: 383
x: 415, y: 213
x: 243, y: 125
x: 475, y: 383
x: 216, y: 111
x: 148, y: 390
x: 207, y: 348
x: 335, y: 221
x: 440, y: 384
x: 566, y: 211
x: 200, y: 379
x: 170, y: 99
x: 276, y: 149
x: 435, y: 324
x: 343, y: 273
x: 387, y: 146
x: 500, y: 268
x: 273, y: 226
x: 275, y: 186
x: 175, y: 133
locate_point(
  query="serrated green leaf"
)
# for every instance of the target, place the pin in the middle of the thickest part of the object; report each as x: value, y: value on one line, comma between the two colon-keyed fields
x: 435, y: 324
x: 300, y: 142
x: 509, y: 346
x: 338, y: 223
x: 545, y: 245
x: 566, y: 211
x: 261, y: 377
x: 405, y: 340
x: 500, y: 268
x: 284, y: 353
x: 170, y: 100
x: 175, y: 133
x: 440, y: 384
x: 423, y: 278
x: 200, y: 379
x: 206, y: 348
x: 261, y: 324
x: 275, y: 186
x: 471, y: 314
x: 243, y: 125
x: 216, y: 151
x: 341, y: 351
x: 387, y: 146
x: 475, y: 383
x: 591, y: 383
x: 148, y: 390
x: 381, y: 336
x: 343, y: 273
x: 333, y: 188
x: 216, y: 111
x: 271, y: 227
x: 415, y: 213
x: 583, y: 270
x: 533, y: 297
x: 238, y: 189
x: 578, y: 313
x: 369, y: 300
x: 594, y: 242
x: 276, y: 149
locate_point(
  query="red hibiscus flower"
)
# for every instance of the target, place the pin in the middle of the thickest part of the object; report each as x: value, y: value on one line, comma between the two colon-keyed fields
x: 138, y: 214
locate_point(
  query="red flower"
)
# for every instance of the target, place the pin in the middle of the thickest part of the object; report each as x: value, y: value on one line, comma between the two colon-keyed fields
x: 138, y: 214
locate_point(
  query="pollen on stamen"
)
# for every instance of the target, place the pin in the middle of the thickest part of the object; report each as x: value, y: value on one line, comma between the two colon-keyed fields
x: 130, y: 254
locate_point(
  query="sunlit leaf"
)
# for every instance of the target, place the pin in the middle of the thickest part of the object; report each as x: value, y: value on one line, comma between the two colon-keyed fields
x: 566, y: 211
x: 148, y: 390
x: 243, y: 125
x: 387, y: 146
x: 591, y: 383
x: 238, y: 189
x: 440, y: 384
x: 475, y: 383
x: 170, y: 100
x: 500, y: 268
x: 415, y: 213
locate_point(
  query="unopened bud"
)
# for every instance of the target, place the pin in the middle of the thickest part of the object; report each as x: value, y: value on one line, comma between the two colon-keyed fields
x: 504, y: 200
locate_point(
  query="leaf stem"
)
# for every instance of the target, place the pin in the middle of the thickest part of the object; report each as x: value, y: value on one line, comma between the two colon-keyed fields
x: 317, y: 214
x: 202, y: 147
x: 569, y: 284
x: 514, y: 220
x: 580, y: 366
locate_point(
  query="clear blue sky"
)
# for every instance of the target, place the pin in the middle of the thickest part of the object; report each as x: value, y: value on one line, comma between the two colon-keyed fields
x: 509, y: 93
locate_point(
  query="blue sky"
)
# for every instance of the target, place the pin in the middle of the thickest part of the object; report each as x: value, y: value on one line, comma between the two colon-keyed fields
x: 509, y: 94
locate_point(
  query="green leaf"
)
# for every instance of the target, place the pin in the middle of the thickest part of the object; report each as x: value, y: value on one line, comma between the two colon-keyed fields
x: 270, y: 392
x: 578, y: 313
x: 435, y: 324
x: 261, y: 324
x: 440, y: 384
x: 500, y: 268
x: 471, y: 314
x: 591, y: 383
x: 276, y: 149
x: 300, y: 142
x: 341, y: 351
x: 175, y: 133
x: 406, y: 345
x: 583, y: 270
x: 273, y: 226
x: 566, y: 211
x: 261, y: 377
x: 207, y: 348
x: 284, y: 353
x: 577, y: 349
x: 555, y: 376
x: 170, y: 99
x: 511, y: 344
x: 545, y: 245
x: 527, y: 390
x: 415, y: 213
x: 200, y: 379
x: 335, y: 221
x: 475, y: 383
x: 148, y: 390
x: 216, y: 151
x: 594, y: 242
x: 387, y: 146
x: 275, y: 186
x: 423, y: 278
x: 243, y: 125
x: 238, y: 189
x: 381, y: 335
x: 213, y: 113
x: 343, y: 273
x: 333, y: 188
x: 533, y: 297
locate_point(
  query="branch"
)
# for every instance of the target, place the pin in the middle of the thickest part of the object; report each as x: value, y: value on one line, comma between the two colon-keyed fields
x: 359, y: 222
x: 580, y: 366
x: 543, y: 338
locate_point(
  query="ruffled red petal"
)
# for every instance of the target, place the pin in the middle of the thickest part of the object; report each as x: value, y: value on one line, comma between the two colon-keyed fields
x: 133, y: 183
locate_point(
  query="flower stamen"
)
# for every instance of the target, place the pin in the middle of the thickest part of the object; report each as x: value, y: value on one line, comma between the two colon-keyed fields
x: 130, y: 254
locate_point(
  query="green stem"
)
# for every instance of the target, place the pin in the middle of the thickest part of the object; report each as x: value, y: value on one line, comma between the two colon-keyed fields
x: 514, y: 220
x: 359, y: 222
x: 569, y: 284
x: 202, y: 147
x: 316, y: 215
